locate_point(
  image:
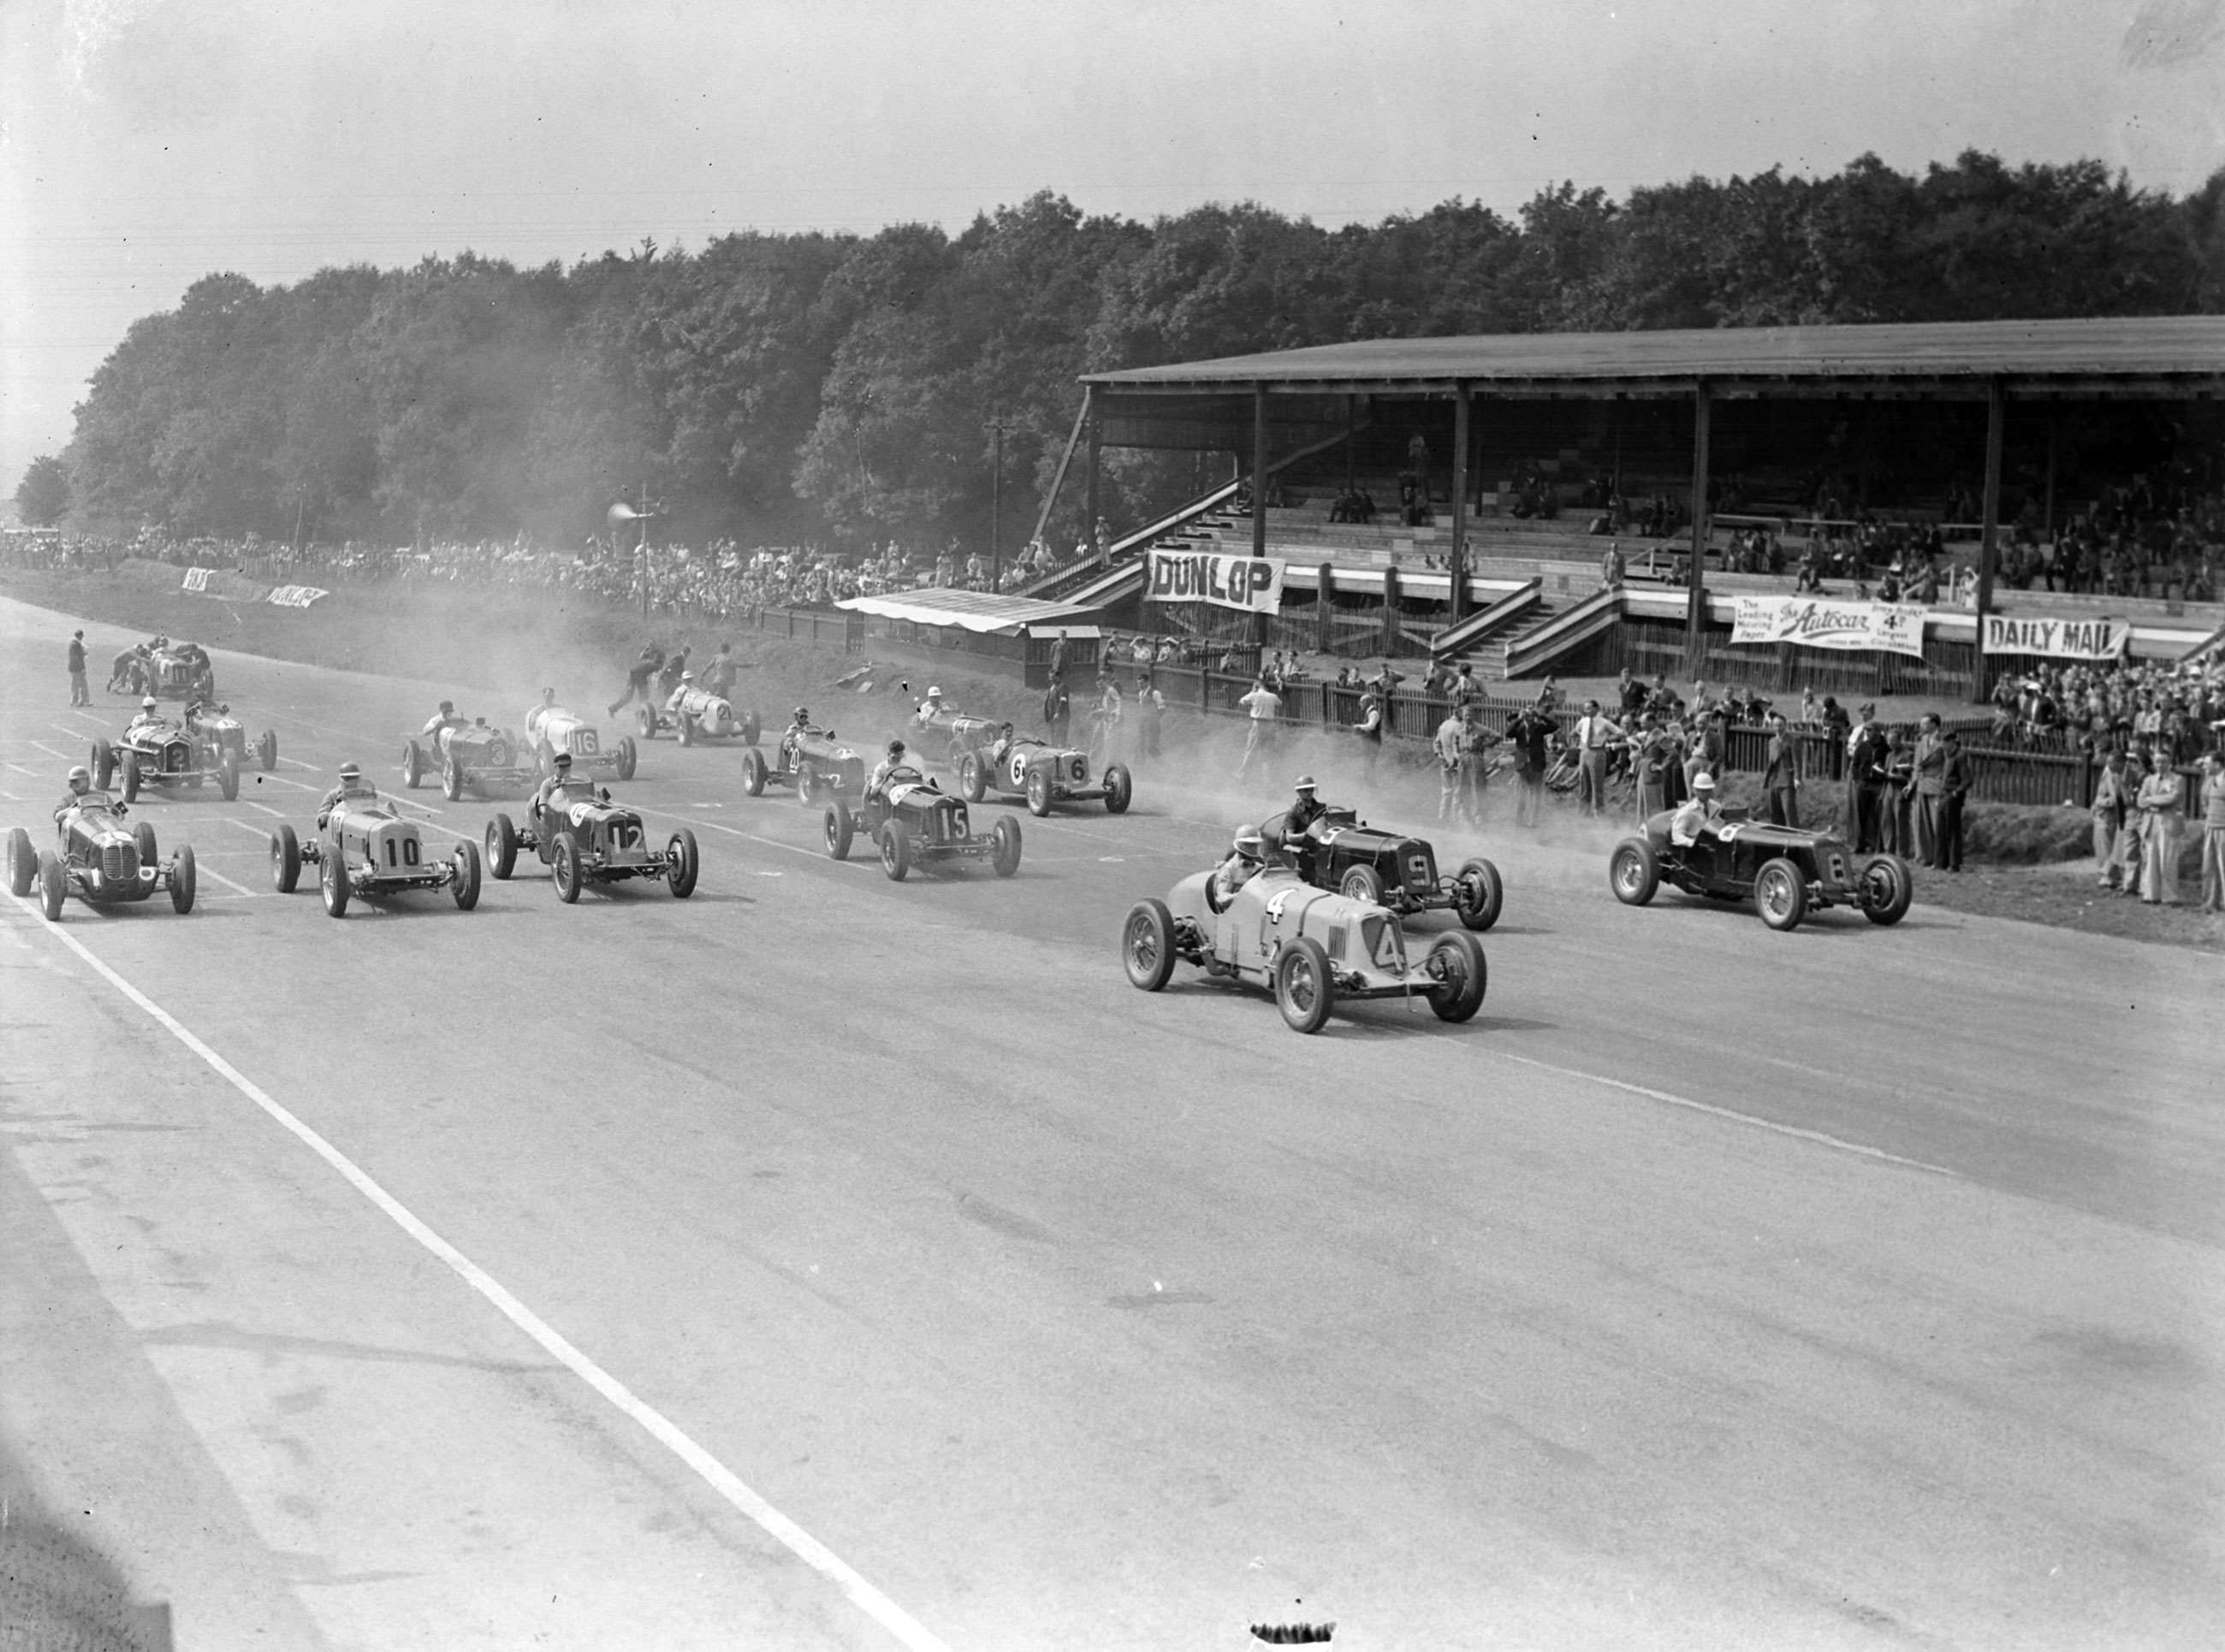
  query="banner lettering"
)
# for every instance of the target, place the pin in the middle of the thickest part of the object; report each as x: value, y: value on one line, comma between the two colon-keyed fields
x: 197, y: 579
x: 296, y: 596
x: 1252, y: 583
x: 2058, y: 639
x: 1812, y: 623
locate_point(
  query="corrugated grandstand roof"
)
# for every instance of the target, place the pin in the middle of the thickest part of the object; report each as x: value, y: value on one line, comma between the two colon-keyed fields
x: 2097, y: 356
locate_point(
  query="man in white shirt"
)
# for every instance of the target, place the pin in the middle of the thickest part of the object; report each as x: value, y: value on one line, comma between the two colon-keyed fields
x: 1262, y: 705
x: 1593, y: 734
x: 1448, y: 744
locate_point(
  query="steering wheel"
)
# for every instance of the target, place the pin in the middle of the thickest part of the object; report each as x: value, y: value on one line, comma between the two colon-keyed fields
x: 1214, y: 901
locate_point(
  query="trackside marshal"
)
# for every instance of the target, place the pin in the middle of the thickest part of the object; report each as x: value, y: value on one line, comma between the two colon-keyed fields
x: 1252, y: 583
x: 2060, y: 639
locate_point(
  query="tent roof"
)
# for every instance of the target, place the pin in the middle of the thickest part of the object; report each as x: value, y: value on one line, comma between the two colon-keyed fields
x: 972, y: 611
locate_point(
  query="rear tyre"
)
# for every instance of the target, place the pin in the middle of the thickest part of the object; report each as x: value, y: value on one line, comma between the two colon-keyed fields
x: 131, y: 765
x: 452, y: 781
x: 1004, y: 857
x: 1478, y: 894
x: 565, y: 866
x: 681, y: 856
x: 413, y: 764
x: 1361, y: 883
x: 22, y: 863
x: 227, y: 776
x: 332, y: 881
x: 1780, y: 895
x: 1888, y: 887
x: 972, y: 783
x: 1304, y: 991
x: 841, y: 825
x: 750, y: 729
x: 807, y: 785
x: 266, y: 751
x: 1038, y: 791
x: 1456, y: 959
x: 465, y: 888
x: 501, y: 846
x: 895, y: 850
x: 753, y: 772
x: 1633, y: 871
x: 285, y: 860
x: 1147, y: 945
x: 143, y: 835
x: 1119, y: 788
x: 644, y: 721
x: 182, y: 880
x: 626, y: 756
x: 53, y: 884
x: 686, y: 728
x: 103, y: 764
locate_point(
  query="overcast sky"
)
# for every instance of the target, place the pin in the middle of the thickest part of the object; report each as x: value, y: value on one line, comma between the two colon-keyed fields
x: 144, y: 144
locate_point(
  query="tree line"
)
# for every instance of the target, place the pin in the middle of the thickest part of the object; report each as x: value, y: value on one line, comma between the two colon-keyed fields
x: 776, y: 388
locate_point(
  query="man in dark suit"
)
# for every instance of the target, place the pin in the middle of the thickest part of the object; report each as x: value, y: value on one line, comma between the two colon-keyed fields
x: 1780, y: 776
x: 1955, y: 786
x: 1930, y: 789
x: 1865, y: 780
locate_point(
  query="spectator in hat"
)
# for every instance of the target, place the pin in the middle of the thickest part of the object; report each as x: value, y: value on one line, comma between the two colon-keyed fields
x: 2213, y: 832
x: 2112, y: 797
x: 1780, y: 779
x: 2160, y: 802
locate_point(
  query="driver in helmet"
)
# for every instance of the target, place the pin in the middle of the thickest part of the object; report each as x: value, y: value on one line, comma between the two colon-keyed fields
x: 1247, y: 853
x: 556, y: 787
x: 446, y: 717
x: 799, y: 725
x: 1001, y: 747
x: 149, y: 718
x: 931, y: 708
x: 1305, y: 808
x: 79, y: 794
x: 352, y: 787
x: 877, y: 784
x: 1701, y: 813
x: 680, y: 689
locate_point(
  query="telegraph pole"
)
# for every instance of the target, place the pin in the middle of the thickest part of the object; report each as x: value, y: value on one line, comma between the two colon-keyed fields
x: 997, y: 509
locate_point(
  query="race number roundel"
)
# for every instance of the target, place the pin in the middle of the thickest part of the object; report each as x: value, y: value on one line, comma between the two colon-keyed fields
x: 1019, y: 772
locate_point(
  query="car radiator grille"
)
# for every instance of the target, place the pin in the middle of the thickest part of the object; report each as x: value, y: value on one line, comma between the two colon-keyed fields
x: 120, y: 860
x: 176, y: 759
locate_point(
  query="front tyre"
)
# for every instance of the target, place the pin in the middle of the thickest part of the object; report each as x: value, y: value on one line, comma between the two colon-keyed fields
x: 682, y: 861
x: 332, y: 881
x: 53, y: 884
x: 644, y: 721
x: 1004, y: 854
x: 1147, y: 945
x: 564, y: 866
x: 1888, y: 887
x: 183, y: 880
x: 452, y: 781
x: 131, y: 765
x: 753, y: 772
x: 266, y: 751
x: 1119, y: 788
x: 501, y: 846
x: 627, y: 755
x: 143, y: 836
x: 973, y: 783
x: 103, y: 764
x: 1780, y: 895
x: 465, y: 886
x: 285, y: 860
x: 1633, y: 871
x: 840, y: 824
x: 1039, y: 791
x: 227, y: 776
x: 1361, y: 883
x: 22, y: 863
x: 1478, y: 894
x: 1304, y: 991
x: 1456, y: 960
x: 686, y: 728
x: 413, y: 764
x: 895, y: 850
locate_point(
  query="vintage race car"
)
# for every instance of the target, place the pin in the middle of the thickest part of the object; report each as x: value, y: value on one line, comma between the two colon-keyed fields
x: 1786, y: 872
x: 468, y: 756
x: 1340, y: 852
x: 99, y: 859
x: 165, y: 754
x: 917, y: 823
x: 1029, y: 767
x: 551, y: 728
x: 585, y: 839
x: 364, y: 849
x: 171, y: 671
x: 219, y: 727
x: 700, y: 715
x: 813, y: 762
x: 1310, y: 947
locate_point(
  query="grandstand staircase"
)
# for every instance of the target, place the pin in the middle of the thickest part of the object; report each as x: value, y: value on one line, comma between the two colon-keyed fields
x: 1489, y: 656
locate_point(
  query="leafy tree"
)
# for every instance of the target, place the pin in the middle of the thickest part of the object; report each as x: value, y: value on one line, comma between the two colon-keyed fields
x: 42, y: 497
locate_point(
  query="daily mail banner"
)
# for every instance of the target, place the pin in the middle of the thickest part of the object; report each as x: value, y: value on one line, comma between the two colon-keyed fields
x: 1252, y: 583
x: 1897, y: 628
x: 2060, y: 639
x: 296, y: 596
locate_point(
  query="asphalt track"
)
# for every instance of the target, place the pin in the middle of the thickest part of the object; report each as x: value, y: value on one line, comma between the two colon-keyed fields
x: 825, y: 1262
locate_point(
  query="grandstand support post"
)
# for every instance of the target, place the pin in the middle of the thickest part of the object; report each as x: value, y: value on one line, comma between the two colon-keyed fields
x: 1988, y: 533
x: 997, y: 507
x: 1325, y: 609
x: 1259, y: 495
x: 1090, y: 507
x: 1058, y: 476
x: 1696, y: 601
x: 1457, y: 562
x: 1351, y: 443
x: 1390, y: 617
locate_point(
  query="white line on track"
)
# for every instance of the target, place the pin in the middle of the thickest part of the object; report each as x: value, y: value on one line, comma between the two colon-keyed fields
x: 248, y: 827
x: 207, y: 872
x: 20, y: 770
x: 50, y: 751
x: 12, y: 797
x: 276, y: 815
x: 1734, y: 1116
x: 907, y: 1630
x: 297, y: 764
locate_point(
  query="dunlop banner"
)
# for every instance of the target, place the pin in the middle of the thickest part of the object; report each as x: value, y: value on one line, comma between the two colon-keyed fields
x: 1252, y: 583
x: 2059, y: 639
x: 1810, y: 622
x: 296, y: 596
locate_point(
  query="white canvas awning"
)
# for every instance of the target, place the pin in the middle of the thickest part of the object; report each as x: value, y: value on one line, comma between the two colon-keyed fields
x: 976, y: 611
